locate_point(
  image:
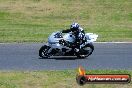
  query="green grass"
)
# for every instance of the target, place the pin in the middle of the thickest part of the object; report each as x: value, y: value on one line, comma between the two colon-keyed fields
x: 34, y: 20
x: 54, y: 79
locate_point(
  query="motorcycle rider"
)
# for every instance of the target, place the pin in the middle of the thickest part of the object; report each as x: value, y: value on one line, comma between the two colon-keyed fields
x: 79, y: 34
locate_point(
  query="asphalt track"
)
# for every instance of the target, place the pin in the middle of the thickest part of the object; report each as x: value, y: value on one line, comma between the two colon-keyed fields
x: 25, y: 57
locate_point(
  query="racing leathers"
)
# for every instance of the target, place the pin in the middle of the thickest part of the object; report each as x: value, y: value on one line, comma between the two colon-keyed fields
x: 79, y: 38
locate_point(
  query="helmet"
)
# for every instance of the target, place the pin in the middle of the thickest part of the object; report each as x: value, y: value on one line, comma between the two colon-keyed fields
x: 74, y: 26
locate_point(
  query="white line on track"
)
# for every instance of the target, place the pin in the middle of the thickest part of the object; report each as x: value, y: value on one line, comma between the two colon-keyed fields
x: 112, y: 42
x: 45, y: 43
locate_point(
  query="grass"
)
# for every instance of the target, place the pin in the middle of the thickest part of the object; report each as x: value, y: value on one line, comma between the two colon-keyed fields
x: 34, y: 20
x: 54, y: 79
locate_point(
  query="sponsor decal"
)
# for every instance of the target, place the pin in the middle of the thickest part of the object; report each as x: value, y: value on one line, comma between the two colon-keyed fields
x: 83, y: 78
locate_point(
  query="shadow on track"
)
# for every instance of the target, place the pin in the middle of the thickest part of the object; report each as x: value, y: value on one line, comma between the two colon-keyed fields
x: 63, y: 58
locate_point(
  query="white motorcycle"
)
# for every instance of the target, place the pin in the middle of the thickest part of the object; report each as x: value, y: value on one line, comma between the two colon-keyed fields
x: 62, y: 45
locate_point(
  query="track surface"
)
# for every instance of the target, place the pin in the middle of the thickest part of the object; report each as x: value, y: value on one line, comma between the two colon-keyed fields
x: 105, y: 56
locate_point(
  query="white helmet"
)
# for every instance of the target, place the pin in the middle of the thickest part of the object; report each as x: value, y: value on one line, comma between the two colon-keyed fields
x: 74, y: 26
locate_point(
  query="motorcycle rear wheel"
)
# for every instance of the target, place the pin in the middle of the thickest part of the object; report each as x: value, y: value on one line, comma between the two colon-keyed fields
x: 90, y: 51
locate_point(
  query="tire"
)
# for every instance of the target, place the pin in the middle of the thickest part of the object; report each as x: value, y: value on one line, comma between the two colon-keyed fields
x: 43, y: 51
x: 90, y: 45
x: 92, y: 48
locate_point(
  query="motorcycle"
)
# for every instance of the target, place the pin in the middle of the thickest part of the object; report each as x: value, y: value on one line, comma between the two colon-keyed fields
x: 61, y: 45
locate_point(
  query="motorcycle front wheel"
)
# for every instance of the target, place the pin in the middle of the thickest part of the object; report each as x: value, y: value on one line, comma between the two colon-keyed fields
x: 43, y: 52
